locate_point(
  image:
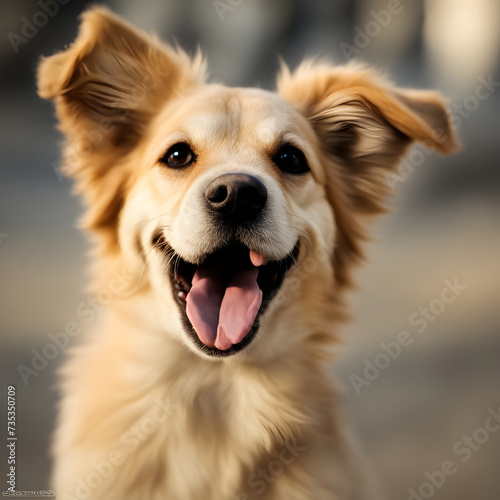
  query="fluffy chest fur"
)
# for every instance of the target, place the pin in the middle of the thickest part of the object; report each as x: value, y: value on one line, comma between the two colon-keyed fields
x: 160, y: 423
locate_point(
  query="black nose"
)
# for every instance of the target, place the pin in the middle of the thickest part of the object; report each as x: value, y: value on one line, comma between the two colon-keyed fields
x: 237, y: 198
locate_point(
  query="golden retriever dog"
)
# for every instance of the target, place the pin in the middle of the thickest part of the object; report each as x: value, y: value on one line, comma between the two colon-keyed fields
x: 235, y: 217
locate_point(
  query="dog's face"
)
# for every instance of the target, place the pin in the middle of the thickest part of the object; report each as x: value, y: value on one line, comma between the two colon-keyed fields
x: 222, y: 208
x: 216, y: 197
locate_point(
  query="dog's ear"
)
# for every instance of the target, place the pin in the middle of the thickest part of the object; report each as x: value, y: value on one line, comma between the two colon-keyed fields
x: 107, y: 86
x: 363, y: 126
x: 113, y: 78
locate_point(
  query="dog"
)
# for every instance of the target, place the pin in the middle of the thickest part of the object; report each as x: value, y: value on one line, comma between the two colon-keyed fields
x: 233, y: 218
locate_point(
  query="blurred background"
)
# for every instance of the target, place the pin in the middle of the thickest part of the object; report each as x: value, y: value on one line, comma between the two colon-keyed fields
x: 433, y: 399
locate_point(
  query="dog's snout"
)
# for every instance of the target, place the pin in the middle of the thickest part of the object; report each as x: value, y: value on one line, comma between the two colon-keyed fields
x: 237, y: 197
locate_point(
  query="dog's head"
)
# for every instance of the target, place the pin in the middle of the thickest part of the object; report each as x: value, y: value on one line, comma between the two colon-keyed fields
x: 232, y: 206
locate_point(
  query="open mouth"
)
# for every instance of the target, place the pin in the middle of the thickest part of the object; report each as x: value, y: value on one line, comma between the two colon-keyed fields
x: 222, y: 298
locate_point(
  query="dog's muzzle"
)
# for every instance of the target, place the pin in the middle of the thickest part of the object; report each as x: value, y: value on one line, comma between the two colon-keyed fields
x: 222, y: 295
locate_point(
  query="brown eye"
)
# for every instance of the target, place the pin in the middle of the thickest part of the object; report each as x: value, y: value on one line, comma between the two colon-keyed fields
x: 291, y: 160
x: 178, y: 156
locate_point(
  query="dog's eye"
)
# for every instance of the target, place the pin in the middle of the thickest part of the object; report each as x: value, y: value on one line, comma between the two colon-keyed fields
x: 291, y: 159
x: 179, y: 155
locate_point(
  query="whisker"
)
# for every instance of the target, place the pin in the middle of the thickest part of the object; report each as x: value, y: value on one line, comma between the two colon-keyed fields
x: 154, y: 218
x: 308, y: 239
x: 295, y: 215
x: 176, y: 264
x: 291, y: 226
x: 140, y: 277
x: 156, y: 245
x: 146, y: 262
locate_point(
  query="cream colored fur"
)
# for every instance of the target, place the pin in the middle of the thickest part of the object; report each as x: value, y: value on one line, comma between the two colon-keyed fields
x: 144, y: 413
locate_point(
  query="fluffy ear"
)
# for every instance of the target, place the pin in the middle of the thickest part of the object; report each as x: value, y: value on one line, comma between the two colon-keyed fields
x: 107, y: 86
x: 113, y: 77
x: 364, y: 126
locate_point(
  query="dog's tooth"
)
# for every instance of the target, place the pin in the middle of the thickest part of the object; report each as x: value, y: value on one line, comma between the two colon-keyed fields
x: 182, y: 295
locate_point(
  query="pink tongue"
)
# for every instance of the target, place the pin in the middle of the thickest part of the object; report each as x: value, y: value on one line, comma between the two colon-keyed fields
x: 239, y: 308
x: 223, y: 317
x: 203, y: 303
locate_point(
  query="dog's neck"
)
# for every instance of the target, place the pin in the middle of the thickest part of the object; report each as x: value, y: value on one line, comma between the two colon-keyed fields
x: 257, y: 404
